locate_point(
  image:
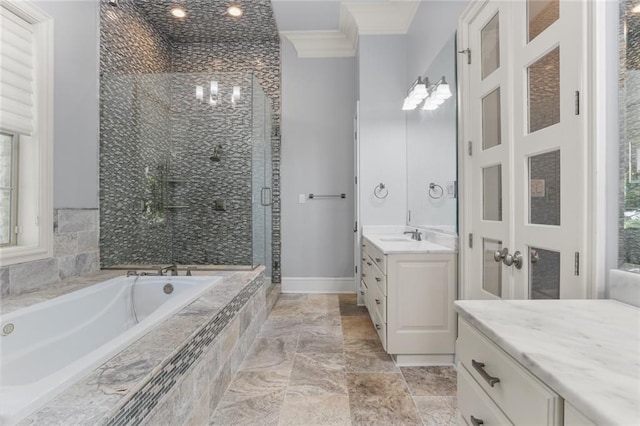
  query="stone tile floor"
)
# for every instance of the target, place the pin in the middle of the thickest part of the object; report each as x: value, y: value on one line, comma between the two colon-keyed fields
x: 318, y: 361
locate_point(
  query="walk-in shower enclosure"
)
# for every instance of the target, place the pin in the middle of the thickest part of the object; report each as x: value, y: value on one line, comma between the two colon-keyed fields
x: 185, y: 170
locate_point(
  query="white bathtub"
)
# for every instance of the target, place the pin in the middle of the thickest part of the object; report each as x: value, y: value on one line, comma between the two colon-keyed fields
x: 57, y: 342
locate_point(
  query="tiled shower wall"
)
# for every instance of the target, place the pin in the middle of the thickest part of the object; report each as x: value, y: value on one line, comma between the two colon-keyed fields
x: 136, y: 139
x: 75, y: 253
x: 263, y: 58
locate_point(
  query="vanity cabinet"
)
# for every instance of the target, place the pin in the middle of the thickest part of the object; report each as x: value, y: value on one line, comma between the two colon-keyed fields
x: 410, y: 300
x: 493, y: 388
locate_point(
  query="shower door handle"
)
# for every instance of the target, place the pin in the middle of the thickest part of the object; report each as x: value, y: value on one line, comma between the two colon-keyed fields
x: 263, y: 198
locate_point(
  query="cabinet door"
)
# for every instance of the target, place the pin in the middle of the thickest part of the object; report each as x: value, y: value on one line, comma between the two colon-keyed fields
x: 421, y: 291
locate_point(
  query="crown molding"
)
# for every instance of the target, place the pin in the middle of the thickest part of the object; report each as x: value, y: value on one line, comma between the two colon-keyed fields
x: 321, y: 44
x: 380, y: 18
x: 356, y: 18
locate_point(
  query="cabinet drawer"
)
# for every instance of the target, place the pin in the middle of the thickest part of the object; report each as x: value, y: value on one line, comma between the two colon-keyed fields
x: 373, y: 275
x: 375, y: 254
x: 379, y: 303
x: 522, y: 397
x: 363, y: 291
x: 380, y: 327
x: 476, y: 408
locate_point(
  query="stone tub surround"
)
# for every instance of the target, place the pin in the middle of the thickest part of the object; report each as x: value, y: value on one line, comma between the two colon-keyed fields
x: 75, y: 253
x: 194, y: 353
x: 585, y: 350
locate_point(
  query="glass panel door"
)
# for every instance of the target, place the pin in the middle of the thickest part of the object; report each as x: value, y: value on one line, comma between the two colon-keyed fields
x: 549, y: 151
x: 490, y: 155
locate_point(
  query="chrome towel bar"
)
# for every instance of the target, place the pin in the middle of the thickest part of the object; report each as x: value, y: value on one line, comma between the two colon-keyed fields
x: 315, y: 196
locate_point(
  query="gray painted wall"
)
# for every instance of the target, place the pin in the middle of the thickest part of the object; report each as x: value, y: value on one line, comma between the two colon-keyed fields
x: 318, y: 105
x: 433, y: 24
x: 382, y: 64
x: 76, y: 54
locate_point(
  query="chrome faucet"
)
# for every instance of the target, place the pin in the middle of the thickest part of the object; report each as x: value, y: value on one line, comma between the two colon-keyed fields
x: 415, y: 235
x: 173, y: 268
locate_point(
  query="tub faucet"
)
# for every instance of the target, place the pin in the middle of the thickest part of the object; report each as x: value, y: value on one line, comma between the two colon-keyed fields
x: 173, y: 268
x: 415, y: 235
x: 132, y: 273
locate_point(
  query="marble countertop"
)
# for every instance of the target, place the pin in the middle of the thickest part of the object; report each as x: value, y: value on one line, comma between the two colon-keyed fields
x: 588, y: 351
x: 399, y: 243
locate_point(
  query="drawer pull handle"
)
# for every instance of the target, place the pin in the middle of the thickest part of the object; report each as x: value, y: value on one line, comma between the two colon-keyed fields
x: 476, y: 422
x: 479, y: 366
x: 377, y: 301
x: 364, y: 275
x: 378, y: 260
x: 362, y: 292
x: 378, y: 279
x: 369, y: 263
x: 378, y: 327
x: 363, y: 259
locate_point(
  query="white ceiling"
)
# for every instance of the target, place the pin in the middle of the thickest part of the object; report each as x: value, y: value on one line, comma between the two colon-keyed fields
x: 306, y: 15
x: 330, y: 28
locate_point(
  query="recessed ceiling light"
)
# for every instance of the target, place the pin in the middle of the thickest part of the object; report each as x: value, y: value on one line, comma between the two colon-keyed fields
x: 636, y: 8
x: 178, y: 12
x: 234, y: 11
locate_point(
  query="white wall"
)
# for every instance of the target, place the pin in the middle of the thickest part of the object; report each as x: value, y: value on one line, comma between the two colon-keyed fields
x: 382, y: 63
x: 76, y: 116
x: 318, y: 106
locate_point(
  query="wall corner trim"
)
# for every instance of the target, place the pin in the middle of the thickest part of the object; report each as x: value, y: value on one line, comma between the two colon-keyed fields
x: 318, y: 285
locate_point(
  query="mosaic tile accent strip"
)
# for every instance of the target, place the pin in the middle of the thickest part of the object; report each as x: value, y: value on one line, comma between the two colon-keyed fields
x: 142, y: 402
x: 207, y: 20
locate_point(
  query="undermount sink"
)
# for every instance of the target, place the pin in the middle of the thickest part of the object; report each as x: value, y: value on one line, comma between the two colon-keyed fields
x: 397, y: 240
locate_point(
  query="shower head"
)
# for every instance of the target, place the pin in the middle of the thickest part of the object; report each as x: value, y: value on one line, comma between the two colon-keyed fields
x: 113, y: 2
x: 215, y: 157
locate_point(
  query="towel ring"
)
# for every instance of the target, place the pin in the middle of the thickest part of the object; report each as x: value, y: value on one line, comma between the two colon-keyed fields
x: 381, y: 191
x: 435, y: 191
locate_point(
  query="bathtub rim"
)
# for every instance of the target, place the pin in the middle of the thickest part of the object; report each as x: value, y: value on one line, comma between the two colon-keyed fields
x: 97, y: 406
x: 57, y: 383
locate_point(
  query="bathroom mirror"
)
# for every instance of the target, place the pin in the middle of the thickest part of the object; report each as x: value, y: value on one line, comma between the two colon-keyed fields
x: 629, y: 95
x: 431, y: 152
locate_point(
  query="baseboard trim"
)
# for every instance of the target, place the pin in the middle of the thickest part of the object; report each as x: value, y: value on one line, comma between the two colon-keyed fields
x: 318, y: 285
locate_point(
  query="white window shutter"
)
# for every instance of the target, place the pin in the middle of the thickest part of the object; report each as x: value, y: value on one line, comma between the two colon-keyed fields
x: 17, y: 73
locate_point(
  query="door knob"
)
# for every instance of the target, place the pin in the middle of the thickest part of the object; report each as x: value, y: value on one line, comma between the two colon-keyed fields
x: 513, y: 259
x: 535, y: 257
x: 500, y: 254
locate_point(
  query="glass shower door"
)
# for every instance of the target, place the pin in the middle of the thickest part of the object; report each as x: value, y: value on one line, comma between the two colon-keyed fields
x: 261, y: 178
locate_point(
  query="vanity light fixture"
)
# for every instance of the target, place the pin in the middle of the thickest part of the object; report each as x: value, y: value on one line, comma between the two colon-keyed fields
x: 234, y: 11
x: 178, y: 12
x: 433, y: 95
x: 417, y: 93
x: 636, y: 8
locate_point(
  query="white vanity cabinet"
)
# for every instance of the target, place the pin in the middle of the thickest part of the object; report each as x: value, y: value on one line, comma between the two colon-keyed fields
x: 410, y: 300
x: 490, y: 383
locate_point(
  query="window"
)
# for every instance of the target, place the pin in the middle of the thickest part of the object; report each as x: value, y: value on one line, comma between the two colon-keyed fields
x: 26, y: 113
x: 8, y: 188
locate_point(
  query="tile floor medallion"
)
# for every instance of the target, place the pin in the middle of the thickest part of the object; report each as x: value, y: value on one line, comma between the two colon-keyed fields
x: 318, y: 361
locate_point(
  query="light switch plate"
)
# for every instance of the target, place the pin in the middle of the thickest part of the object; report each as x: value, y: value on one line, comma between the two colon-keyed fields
x: 302, y: 198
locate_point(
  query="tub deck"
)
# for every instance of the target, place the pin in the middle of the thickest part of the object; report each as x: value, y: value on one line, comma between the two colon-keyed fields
x: 105, y: 394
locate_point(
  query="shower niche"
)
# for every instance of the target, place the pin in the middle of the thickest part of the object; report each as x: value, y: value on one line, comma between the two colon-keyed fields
x: 185, y: 170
